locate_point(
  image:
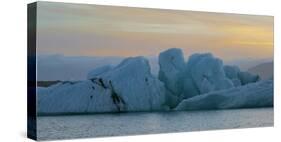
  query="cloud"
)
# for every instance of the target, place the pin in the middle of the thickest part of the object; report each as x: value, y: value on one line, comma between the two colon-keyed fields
x: 90, y: 30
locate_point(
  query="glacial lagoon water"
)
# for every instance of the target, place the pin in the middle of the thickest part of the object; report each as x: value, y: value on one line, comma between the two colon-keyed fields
x: 119, y: 124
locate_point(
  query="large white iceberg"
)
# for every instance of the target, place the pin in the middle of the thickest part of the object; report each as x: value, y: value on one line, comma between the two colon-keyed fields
x: 203, y: 82
x: 127, y: 87
x: 259, y: 94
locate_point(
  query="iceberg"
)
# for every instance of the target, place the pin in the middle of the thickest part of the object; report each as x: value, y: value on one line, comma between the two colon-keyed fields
x: 259, y: 94
x: 127, y: 87
x: 203, y: 82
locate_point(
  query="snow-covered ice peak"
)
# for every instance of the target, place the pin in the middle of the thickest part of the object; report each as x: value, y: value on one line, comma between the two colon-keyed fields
x: 172, y: 64
x: 133, y: 81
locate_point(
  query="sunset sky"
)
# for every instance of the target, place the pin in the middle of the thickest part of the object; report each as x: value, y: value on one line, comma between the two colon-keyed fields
x: 91, y: 30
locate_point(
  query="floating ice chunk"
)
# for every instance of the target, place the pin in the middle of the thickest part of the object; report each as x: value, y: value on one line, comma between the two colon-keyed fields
x: 259, y: 94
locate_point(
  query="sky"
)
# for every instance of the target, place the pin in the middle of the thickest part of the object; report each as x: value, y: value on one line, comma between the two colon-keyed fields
x: 91, y: 30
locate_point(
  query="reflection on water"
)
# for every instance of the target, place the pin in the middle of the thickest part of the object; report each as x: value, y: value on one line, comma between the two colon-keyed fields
x: 97, y: 125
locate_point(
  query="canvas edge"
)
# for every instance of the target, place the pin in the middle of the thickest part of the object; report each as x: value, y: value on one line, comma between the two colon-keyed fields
x: 31, y: 71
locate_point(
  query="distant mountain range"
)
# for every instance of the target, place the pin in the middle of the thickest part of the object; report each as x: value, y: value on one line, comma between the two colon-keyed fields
x: 264, y: 70
x: 246, y: 64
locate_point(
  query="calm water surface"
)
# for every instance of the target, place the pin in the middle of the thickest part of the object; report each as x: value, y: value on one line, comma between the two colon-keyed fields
x: 97, y: 125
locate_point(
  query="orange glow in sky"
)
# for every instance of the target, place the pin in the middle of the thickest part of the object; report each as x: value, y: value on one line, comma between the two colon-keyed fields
x: 91, y: 30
